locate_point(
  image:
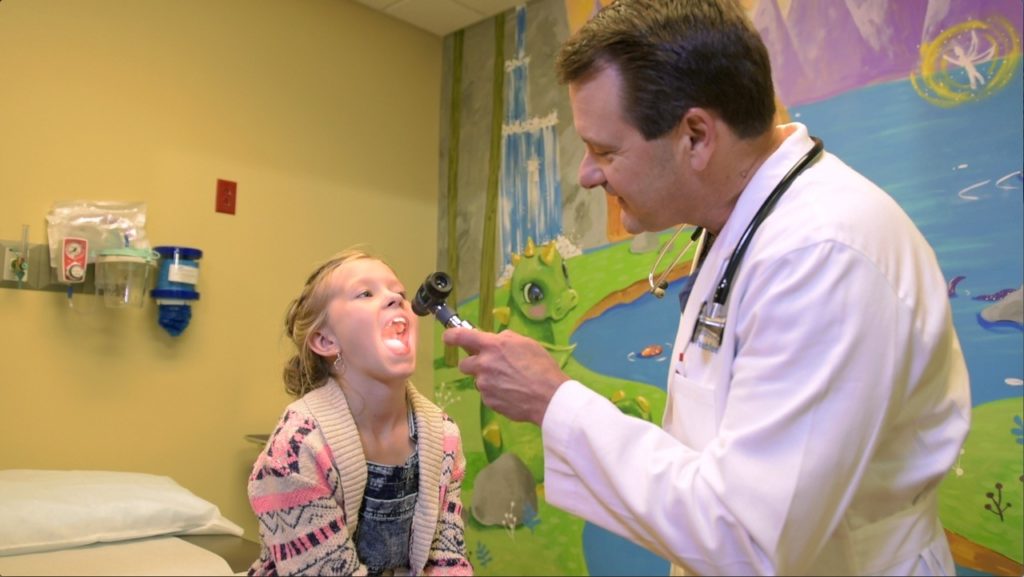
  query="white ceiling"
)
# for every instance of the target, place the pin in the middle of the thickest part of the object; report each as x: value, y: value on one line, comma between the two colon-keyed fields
x: 441, y: 17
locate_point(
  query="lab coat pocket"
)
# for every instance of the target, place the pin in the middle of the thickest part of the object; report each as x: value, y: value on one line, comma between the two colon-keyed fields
x: 692, y: 419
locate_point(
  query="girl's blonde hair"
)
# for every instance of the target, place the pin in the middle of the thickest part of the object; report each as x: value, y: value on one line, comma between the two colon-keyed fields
x: 307, y: 314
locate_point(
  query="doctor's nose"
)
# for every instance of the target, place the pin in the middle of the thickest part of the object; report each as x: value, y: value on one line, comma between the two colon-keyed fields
x: 590, y: 174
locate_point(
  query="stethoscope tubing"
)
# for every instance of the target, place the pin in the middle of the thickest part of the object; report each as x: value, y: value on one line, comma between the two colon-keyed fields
x: 710, y: 325
x: 659, y: 284
x: 725, y: 284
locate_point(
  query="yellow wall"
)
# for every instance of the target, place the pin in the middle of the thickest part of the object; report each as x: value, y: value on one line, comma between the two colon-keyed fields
x: 325, y: 113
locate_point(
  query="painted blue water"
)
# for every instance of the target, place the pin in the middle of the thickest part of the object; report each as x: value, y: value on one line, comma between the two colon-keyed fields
x: 607, y: 554
x: 957, y: 173
x: 611, y: 343
x: 925, y: 156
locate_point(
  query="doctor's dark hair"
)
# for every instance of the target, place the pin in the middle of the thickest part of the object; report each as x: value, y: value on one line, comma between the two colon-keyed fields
x: 674, y: 55
x: 306, y: 315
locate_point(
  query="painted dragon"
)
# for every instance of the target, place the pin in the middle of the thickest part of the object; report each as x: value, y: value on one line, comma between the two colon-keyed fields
x: 539, y: 295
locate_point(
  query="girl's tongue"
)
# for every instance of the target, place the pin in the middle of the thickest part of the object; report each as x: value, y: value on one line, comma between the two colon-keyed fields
x: 395, y: 338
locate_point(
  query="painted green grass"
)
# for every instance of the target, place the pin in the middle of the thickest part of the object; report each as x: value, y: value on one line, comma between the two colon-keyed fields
x: 550, y: 546
x: 991, y: 455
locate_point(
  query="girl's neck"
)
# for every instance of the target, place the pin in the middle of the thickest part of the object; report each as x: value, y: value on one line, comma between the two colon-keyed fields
x: 380, y: 412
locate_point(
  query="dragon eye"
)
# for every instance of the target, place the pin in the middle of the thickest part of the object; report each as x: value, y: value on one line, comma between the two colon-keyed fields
x: 532, y: 293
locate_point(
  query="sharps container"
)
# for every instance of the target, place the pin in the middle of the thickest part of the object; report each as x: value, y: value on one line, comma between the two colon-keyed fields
x: 176, y: 286
x: 122, y: 275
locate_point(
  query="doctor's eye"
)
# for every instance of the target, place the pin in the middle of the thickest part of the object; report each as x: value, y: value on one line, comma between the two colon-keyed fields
x: 532, y: 293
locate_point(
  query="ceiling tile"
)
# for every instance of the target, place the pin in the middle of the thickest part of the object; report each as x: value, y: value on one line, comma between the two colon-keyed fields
x: 380, y: 5
x: 441, y: 17
x: 438, y: 16
x: 490, y: 7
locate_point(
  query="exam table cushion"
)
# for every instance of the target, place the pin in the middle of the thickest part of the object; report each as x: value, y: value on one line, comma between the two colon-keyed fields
x: 46, y: 510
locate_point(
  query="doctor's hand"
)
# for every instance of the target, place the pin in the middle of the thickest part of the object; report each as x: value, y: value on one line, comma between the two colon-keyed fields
x: 516, y: 376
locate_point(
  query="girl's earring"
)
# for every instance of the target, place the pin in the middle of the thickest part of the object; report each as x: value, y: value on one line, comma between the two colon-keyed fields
x: 339, y: 362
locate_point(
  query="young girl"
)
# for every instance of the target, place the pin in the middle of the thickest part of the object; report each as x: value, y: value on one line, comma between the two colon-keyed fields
x: 363, y: 474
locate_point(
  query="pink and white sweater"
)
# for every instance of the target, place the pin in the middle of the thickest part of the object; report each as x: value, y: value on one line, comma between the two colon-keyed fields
x: 306, y: 489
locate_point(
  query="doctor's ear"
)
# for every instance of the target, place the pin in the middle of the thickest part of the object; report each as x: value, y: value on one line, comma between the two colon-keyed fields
x: 697, y: 137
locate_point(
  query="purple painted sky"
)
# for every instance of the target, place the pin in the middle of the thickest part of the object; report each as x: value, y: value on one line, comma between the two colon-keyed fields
x: 820, y: 48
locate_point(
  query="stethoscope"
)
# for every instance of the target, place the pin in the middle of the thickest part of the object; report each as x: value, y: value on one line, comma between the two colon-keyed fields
x: 707, y: 333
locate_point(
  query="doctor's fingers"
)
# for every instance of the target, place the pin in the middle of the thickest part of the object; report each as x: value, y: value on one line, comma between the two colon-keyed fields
x: 491, y: 359
x: 503, y: 400
x: 486, y: 362
x: 471, y: 340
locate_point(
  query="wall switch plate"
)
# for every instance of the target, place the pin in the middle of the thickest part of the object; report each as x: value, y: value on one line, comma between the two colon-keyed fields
x: 227, y: 195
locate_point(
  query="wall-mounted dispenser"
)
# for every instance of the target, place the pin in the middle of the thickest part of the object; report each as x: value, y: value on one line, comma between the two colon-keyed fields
x: 175, y: 287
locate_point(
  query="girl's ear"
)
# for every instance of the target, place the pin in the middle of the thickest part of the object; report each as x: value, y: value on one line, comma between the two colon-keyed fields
x: 323, y: 344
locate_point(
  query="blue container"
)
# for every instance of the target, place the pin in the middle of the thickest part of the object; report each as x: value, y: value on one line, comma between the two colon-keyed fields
x: 175, y: 286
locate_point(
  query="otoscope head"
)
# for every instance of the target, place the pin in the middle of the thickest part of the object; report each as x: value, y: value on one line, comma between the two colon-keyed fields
x: 432, y: 293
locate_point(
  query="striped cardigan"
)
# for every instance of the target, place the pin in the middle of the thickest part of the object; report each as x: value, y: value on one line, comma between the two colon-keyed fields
x: 306, y: 489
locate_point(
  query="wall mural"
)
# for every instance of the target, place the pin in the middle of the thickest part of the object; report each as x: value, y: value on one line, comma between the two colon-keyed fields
x: 922, y: 96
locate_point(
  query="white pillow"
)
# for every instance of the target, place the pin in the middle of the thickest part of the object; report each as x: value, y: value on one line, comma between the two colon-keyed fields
x: 43, y: 510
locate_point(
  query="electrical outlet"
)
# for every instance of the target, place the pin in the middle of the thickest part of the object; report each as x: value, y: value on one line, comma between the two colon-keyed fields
x: 227, y: 194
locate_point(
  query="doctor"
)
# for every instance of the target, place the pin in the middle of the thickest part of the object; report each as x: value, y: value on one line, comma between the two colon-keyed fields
x: 813, y: 416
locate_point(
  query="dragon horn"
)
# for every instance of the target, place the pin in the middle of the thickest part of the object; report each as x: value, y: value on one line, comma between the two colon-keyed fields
x: 529, y: 250
x: 547, y: 253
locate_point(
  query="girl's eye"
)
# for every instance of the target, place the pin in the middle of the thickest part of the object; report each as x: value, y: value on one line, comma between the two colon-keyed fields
x: 365, y: 293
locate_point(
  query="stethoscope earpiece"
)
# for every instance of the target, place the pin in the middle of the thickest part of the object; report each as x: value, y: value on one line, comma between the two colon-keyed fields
x: 659, y: 285
x: 659, y: 291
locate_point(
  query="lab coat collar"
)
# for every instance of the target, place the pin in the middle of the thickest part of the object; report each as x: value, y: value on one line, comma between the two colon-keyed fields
x: 761, y: 184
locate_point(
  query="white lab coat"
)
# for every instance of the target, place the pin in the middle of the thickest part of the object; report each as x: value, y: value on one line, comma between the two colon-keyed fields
x: 814, y: 440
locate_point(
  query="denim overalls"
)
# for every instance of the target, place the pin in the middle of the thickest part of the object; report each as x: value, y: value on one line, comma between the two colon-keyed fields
x: 385, y: 518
